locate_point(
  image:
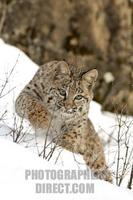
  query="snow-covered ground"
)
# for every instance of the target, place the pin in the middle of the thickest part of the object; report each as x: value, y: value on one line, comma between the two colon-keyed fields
x: 16, y: 70
x: 15, y: 160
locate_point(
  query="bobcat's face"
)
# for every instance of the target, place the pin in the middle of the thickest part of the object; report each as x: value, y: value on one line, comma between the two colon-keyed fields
x: 69, y: 96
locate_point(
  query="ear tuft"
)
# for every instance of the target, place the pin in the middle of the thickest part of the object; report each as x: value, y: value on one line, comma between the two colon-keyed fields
x: 63, y: 67
x: 90, y: 76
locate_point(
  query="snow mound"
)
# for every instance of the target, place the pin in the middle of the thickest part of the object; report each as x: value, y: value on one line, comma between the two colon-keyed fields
x: 16, y: 70
x: 16, y: 159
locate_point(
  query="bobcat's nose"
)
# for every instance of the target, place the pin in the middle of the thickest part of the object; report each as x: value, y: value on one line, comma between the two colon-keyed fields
x: 72, y: 110
x: 70, y: 106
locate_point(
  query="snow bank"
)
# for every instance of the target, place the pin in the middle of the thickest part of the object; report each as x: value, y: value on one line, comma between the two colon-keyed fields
x: 15, y: 160
x: 17, y: 69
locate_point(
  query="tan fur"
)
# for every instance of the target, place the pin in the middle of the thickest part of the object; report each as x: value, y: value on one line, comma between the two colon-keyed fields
x: 58, y: 97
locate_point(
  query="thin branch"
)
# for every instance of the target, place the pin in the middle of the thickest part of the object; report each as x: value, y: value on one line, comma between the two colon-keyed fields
x: 131, y: 179
x: 7, y: 80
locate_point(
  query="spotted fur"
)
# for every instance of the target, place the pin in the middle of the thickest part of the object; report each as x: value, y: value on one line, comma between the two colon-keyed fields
x: 58, y: 97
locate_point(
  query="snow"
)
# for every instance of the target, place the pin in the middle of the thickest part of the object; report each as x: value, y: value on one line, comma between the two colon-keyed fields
x: 18, y: 69
x: 108, y: 126
x: 16, y: 159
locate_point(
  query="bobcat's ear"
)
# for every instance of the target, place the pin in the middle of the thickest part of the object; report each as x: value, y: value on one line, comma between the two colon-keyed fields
x: 89, y: 78
x: 62, y: 68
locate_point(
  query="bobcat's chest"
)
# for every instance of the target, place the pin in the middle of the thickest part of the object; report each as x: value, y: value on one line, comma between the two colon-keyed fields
x: 59, y: 126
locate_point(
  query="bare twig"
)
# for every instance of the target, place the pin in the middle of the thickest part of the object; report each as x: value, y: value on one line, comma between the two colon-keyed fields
x: 118, y: 148
x: 123, y: 143
x: 7, y: 80
x: 131, y: 179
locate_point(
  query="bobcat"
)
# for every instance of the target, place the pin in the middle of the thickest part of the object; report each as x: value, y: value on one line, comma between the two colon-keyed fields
x: 58, y: 97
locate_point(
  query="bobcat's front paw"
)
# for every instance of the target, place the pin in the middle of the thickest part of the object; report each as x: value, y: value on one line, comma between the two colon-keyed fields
x: 104, y: 175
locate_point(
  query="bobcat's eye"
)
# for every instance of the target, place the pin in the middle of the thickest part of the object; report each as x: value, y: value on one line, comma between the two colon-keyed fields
x: 78, y: 97
x: 62, y: 92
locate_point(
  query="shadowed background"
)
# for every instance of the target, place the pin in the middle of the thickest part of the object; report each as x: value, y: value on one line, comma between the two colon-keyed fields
x: 94, y: 34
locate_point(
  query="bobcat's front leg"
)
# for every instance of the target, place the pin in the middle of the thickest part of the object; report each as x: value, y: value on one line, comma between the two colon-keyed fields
x: 94, y: 155
x: 32, y: 109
